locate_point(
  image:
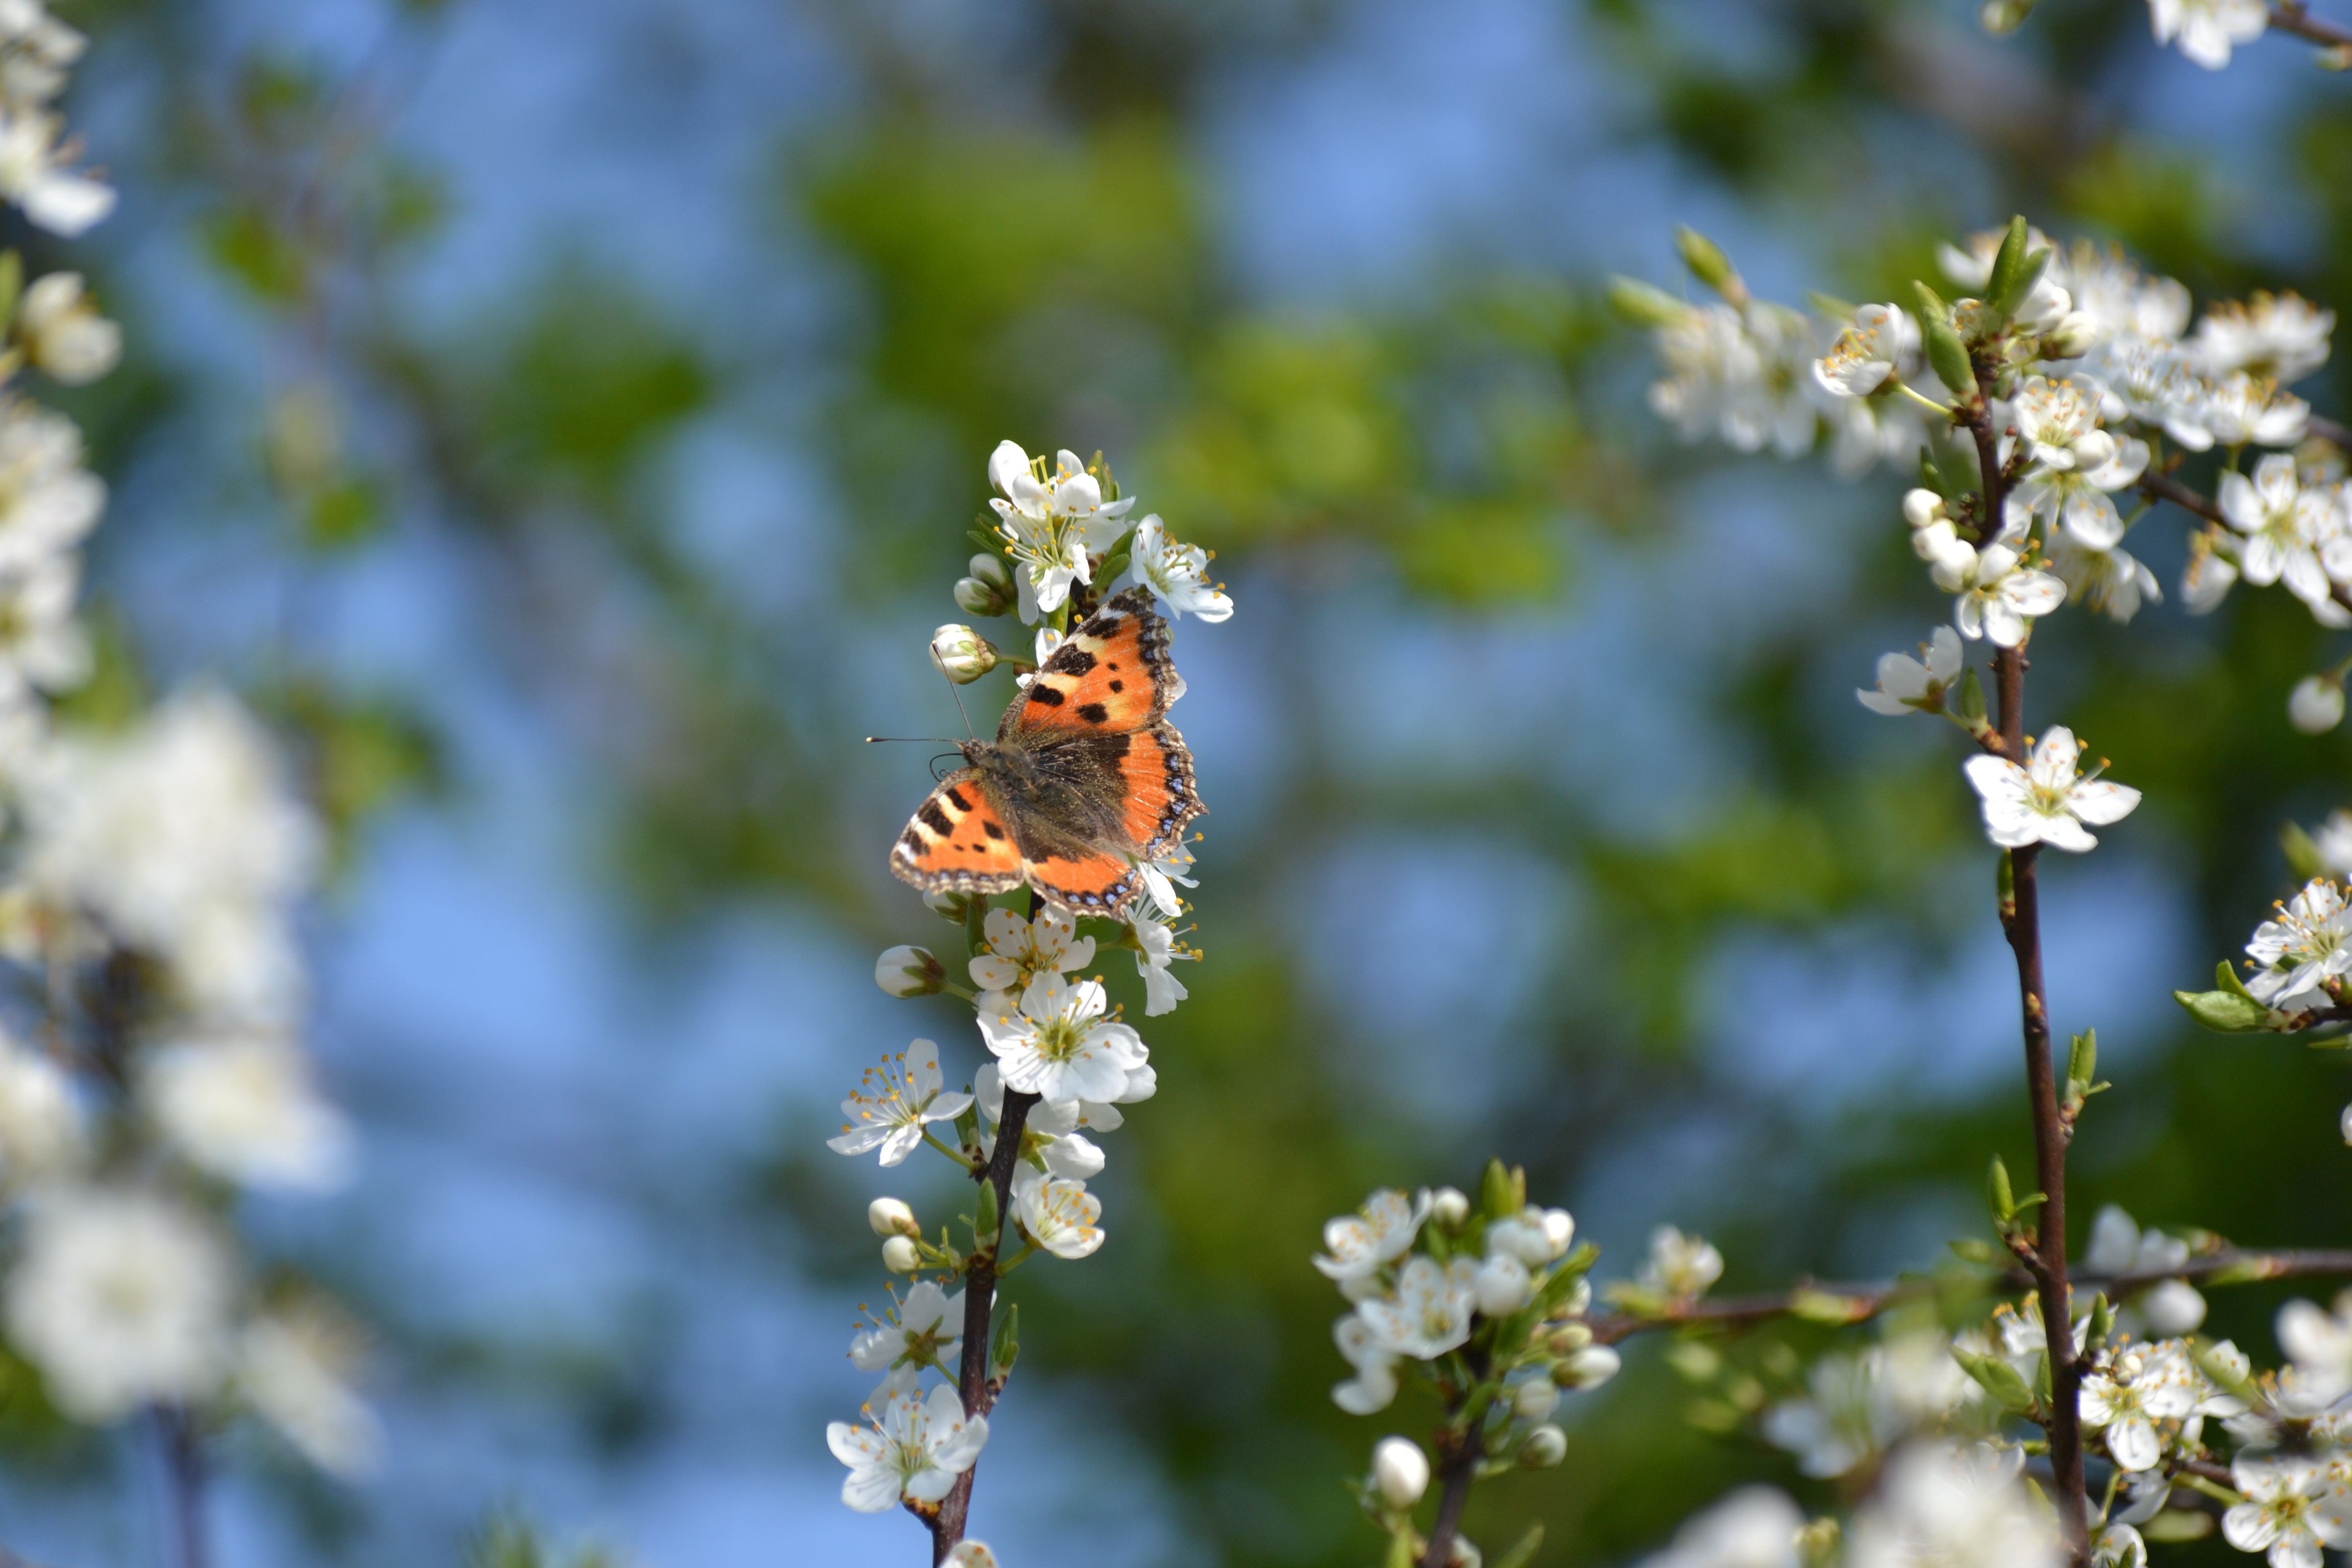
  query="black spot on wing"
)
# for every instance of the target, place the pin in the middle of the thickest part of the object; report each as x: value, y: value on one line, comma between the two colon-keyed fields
x: 910, y: 844
x: 1070, y: 660
x: 1041, y: 693
x: 956, y: 800
x: 936, y: 820
x: 992, y: 829
x: 1095, y: 714
x: 1117, y: 685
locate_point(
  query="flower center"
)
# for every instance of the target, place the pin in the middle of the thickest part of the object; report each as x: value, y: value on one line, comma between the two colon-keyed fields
x: 1058, y: 1040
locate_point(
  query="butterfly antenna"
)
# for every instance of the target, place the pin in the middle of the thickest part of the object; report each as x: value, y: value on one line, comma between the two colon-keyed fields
x: 924, y: 740
x: 957, y: 695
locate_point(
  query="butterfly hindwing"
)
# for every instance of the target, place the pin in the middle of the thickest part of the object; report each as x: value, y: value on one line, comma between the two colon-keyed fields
x: 1161, y: 798
x: 1110, y: 675
x: 1098, y: 883
x: 957, y: 843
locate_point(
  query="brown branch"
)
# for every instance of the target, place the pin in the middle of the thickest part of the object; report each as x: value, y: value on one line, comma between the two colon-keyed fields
x: 2230, y: 1265
x: 2329, y: 430
x: 2020, y: 922
x: 1458, y: 1467
x: 2164, y: 487
x: 2289, y: 16
x: 979, y: 1304
x: 183, y: 1477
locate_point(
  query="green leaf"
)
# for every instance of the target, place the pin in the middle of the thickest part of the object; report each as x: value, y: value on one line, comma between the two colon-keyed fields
x: 1523, y: 1554
x: 2007, y: 261
x: 1945, y: 353
x: 1004, y: 1344
x: 1828, y: 1306
x: 1998, y: 1378
x: 1978, y: 1250
x: 2000, y: 1196
x: 986, y: 1222
x: 1496, y: 1193
x: 1644, y: 304
x: 1708, y: 264
x: 2302, y: 854
x: 2228, y: 1010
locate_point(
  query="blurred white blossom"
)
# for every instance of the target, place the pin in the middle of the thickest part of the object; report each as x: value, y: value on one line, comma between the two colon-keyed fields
x: 243, y: 1109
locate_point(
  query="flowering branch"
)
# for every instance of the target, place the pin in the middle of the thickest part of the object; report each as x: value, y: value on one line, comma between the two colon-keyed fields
x: 2292, y: 16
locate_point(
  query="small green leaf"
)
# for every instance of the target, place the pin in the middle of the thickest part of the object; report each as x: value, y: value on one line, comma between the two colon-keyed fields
x: 2000, y: 1196
x: 1828, y: 1306
x: 1977, y: 1250
x: 2302, y: 855
x: 2083, y: 1062
x: 1496, y: 1193
x: 1998, y: 1378
x: 1643, y: 304
x: 1004, y: 1344
x: 1524, y: 1552
x: 2225, y: 1012
x: 1945, y: 353
x: 1708, y: 264
x: 986, y: 1223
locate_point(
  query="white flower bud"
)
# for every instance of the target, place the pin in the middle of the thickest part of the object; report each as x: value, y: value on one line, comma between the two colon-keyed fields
x: 905, y: 971
x: 1400, y: 1471
x: 1577, y: 1302
x: 1534, y: 1399
x: 891, y: 1217
x: 1502, y: 1286
x: 1922, y: 507
x: 2344, y: 1124
x: 991, y: 570
x: 63, y: 334
x: 964, y: 653
x: 1450, y: 1207
x: 2173, y: 1307
x: 949, y: 907
x: 2316, y: 704
x: 2076, y: 335
x: 975, y: 597
x: 1545, y: 1447
x: 970, y: 1554
x: 1999, y: 17
x: 1559, y: 1230
x: 900, y: 1256
x: 1588, y: 1368
x: 1570, y: 1338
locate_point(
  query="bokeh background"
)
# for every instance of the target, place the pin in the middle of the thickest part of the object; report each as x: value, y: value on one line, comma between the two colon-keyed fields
x: 564, y: 416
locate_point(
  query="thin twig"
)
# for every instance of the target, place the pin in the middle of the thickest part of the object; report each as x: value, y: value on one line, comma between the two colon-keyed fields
x: 1459, y: 1467
x: 184, y: 1483
x: 2328, y: 430
x: 2230, y: 1265
x: 2164, y: 487
x: 2289, y: 16
x: 2020, y: 922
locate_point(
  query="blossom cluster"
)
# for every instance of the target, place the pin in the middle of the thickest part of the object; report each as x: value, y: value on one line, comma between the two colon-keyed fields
x: 1048, y: 1027
x: 152, y: 1066
x: 1489, y: 1302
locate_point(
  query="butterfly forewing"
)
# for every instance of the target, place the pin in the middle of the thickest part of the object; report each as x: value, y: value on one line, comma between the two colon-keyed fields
x: 1110, y: 675
x: 957, y: 843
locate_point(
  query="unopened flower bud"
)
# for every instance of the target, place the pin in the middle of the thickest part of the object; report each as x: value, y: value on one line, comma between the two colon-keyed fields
x: 1400, y: 1471
x: 970, y: 1554
x: 891, y: 1217
x: 1818, y: 1541
x: 949, y: 907
x: 964, y: 653
x: 2173, y: 1308
x: 1534, y: 1399
x: 989, y: 590
x: 1709, y: 265
x: 1559, y: 1230
x: 900, y: 1256
x: 991, y: 569
x: 1545, y: 1447
x: 1450, y: 1207
x: 1922, y: 507
x: 2003, y: 16
x: 63, y: 334
x: 905, y: 971
x: 1588, y: 1368
x: 1502, y: 1286
x: 2316, y: 704
x: 2076, y: 335
x: 1570, y: 1338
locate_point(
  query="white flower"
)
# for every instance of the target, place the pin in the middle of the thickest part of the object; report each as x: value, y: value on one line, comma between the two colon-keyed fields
x: 1176, y: 572
x: 2303, y: 950
x: 2205, y: 30
x: 925, y: 1330
x: 121, y: 1298
x: 48, y: 501
x: 1755, y: 1527
x: 913, y: 1450
x: 1905, y: 685
x: 2125, y: 306
x: 2126, y: 1398
x: 1999, y: 596
x: 1739, y: 375
x: 1847, y: 1419
x: 2316, y: 704
x: 42, y: 647
x: 243, y: 1109
x: 2048, y: 801
x: 1375, y: 1236
x: 2076, y: 496
x: 970, y: 1553
x: 2172, y: 1306
x: 182, y: 838
x: 2292, y: 1508
x: 1430, y: 1312
x: 2285, y: 527
x: 2205, y: 581
x: 1056, y: 1122
x: 2320, y: 1345
x: 1155, y: 948
x: 2113, y: 582
x: 1051, y: 526
x: 1057, y: 1211
x: 40, y: 1121
x: 893, y: 1112
x: 1399, y: 1471
x: 1021, y: 950
x: 1881, y: 338
x: 1160, y: 877
x: 2118, y: 1546
x: 2334, y: 842
x: 1939, y: 1506
x: 1502, y: 1285
x: 1048, y: 640
x: 2280, y: 337
x: 2053, y: 419
x: 63, y: 334
x: 2243, y: 409
x: 1374, y: 1386
x: 1058, y: 1046
x: 1680, y: 1266
x: 34, y: 175
x: 294, y: 1367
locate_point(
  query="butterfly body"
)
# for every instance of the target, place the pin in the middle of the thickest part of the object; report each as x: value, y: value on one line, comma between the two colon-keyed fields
x: 1084, y: 783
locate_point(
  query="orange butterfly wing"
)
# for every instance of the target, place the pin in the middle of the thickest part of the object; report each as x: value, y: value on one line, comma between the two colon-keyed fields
x: 1161, y: 798
x: 1110, y: 676
x: 957, y: 843
x: 1098, y: 883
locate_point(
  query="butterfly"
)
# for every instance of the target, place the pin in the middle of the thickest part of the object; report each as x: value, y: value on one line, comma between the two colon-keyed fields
x: 1086, y: 782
